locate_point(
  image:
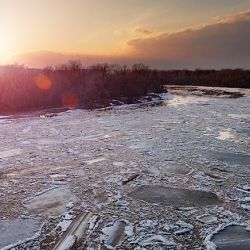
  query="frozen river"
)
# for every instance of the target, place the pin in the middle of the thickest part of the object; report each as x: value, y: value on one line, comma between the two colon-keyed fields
x: 162, y: 177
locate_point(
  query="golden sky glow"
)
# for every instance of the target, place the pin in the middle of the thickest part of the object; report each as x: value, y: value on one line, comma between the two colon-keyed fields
x: 98, y: 27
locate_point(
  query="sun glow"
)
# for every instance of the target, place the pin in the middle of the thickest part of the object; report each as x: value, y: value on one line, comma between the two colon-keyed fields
x: 3, y: 52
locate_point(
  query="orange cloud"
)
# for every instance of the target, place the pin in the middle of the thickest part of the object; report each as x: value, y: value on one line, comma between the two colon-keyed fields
x: 221, y: 44
x: 143, y: 31
x: 40, y: 59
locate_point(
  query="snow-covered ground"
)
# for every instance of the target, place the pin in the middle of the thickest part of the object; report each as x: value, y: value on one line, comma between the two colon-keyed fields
x: 129, y: 177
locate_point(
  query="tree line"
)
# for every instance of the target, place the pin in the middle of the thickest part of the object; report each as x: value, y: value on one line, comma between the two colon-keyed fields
x: 233, y: 78
x: 72, y: 85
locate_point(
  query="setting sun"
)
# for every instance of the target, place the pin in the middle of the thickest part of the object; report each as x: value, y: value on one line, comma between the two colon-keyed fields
x: 2, y: 49
x: 3, y: 52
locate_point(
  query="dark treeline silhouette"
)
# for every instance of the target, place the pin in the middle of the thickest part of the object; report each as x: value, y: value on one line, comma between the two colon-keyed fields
x: 233, y: 78
x: 72, y: 85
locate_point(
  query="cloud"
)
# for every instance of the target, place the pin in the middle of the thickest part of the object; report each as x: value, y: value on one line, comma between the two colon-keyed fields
x: 41, y: 59
x: 223, y: 44
x: 143, y: 31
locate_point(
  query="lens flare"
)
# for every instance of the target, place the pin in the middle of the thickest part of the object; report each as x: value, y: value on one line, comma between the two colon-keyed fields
x: 70, y: 100
x: 43, y: 82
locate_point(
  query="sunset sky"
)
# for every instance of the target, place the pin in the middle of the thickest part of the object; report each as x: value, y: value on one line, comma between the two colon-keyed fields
x: 160, y: 33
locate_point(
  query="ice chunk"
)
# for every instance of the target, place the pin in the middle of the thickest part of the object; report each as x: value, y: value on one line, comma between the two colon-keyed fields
x: 12, y: 232
x: 50, y: 203
x: 113, y: 234
x: 175, y: 197
x: 232, y: 237
x: 10, y: 153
